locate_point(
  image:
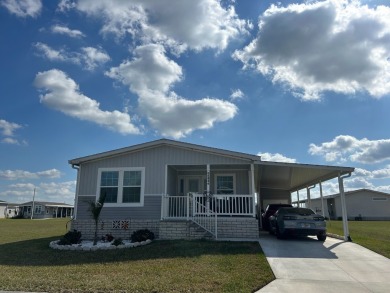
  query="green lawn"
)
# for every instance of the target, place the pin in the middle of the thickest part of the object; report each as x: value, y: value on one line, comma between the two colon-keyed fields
x: 374, y: 235
x: 27, y: 263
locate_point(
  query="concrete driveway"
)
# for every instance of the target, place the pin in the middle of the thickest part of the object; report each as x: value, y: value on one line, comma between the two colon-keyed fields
x: 307, y: 265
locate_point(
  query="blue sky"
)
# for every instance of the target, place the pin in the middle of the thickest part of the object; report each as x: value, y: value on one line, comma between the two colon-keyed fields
x: 301, y: 81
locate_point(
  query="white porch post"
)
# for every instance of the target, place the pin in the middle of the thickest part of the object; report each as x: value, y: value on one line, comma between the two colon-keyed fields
x: 163, y: 197
x: 322, y: 200
x: 298, y: 198
x: 208, y: 179
x: 344, y: 207
x: 208, y: 187
x: 253, y: 190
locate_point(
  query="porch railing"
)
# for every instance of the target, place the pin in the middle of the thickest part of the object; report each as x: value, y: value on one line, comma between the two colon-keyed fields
x: 185, y: 207
x: 204, y: 210
x: 204, y: 217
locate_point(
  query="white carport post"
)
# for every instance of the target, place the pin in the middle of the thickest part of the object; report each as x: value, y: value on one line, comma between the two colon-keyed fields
x: 308, y: 196
x: 322, y: 201
x: 344, y: 207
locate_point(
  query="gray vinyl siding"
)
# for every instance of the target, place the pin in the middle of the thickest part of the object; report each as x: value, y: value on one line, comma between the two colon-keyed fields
x: 154, y: 160
x: 358, y: 204
x: 150, y: 211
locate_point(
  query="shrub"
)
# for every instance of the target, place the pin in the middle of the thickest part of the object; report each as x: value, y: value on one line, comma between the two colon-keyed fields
x: 108, y: 238
x: 117, y: 241
x: 71, y: 237
x: 142, y: 235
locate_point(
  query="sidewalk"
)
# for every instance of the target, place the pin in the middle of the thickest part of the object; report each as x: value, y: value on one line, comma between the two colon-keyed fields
x: 307, y: 265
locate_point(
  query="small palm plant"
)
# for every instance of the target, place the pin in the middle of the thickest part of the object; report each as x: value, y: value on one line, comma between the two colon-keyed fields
x: 95, y: 207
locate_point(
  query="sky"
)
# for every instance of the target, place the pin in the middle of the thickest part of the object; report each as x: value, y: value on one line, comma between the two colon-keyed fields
x: 293, y: 81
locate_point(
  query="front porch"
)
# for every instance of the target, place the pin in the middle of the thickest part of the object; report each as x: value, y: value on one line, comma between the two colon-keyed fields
x: 209, y: 216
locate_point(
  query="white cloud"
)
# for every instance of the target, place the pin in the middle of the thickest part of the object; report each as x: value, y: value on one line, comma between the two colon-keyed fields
x: 21, y: 174
x: 331, y: 45
x: 89, y: 59
x: 375, y: 174
x: 94, y: 57
x: 177, y: 117
x: 23, y: 8
x: 177, y: 24
x: 63, y: 30
x: 8, y: 128
x: 346, y: 147
x: 55, y: 55
x: 59, y: 192
x: 151, y: 75
x: 62, y: 93
x: 276, y: 157
x: 53, y: 191
x: 9, y: 140
x: 65, y: 5
x: 149, y: 70
x: 237, y: 94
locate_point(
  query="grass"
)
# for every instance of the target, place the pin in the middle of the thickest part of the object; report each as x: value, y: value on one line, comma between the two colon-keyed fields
x: 27, y: 263
x: 374, y: 235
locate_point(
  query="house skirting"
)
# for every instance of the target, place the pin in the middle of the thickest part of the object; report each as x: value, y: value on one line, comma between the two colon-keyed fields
x: 117, y: 228
x: 228, y: 228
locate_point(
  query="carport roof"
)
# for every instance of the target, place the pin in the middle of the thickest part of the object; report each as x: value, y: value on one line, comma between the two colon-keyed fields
x: 293, y: 177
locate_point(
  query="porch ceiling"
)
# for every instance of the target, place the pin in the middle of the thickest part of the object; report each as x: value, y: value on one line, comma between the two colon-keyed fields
x: 292, y: 177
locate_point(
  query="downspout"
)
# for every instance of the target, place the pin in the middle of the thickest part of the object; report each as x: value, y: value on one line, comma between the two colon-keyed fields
x: 77, y: 191
x: 344, y: 206
x: 308, y: 196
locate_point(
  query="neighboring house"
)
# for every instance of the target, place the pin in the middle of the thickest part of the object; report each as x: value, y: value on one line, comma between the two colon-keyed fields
x: 3, y: 209
x: 362, y: 204
x: 45, y: 210
x: 12, y: 210
x: 184, y: 191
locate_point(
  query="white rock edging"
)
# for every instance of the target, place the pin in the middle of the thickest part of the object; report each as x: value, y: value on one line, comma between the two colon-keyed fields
x: 88, y: 245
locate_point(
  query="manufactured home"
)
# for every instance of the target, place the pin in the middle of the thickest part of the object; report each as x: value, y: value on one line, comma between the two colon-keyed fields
x: 185, y: 191
x: 45, y: 210
x: 362, y: 204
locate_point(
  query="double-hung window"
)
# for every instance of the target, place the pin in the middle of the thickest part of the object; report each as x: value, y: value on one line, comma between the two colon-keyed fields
x: 225, y: 184
x: 122, y: 187
x: 38, y: 209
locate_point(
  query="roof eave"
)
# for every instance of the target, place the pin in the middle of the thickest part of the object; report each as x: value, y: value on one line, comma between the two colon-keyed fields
x: 194, y: 147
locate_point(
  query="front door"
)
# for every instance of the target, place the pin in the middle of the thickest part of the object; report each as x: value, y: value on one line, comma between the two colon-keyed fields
x: 191, y: 184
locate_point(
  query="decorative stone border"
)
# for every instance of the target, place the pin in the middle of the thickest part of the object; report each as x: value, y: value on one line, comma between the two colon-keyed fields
x: 87, y: 245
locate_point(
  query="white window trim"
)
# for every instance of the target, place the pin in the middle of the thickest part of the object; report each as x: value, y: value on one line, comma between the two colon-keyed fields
x: 224, y: 174
x: 119, y: 202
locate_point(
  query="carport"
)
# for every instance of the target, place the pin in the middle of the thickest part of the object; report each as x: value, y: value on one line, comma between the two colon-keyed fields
x: 277, y: 181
